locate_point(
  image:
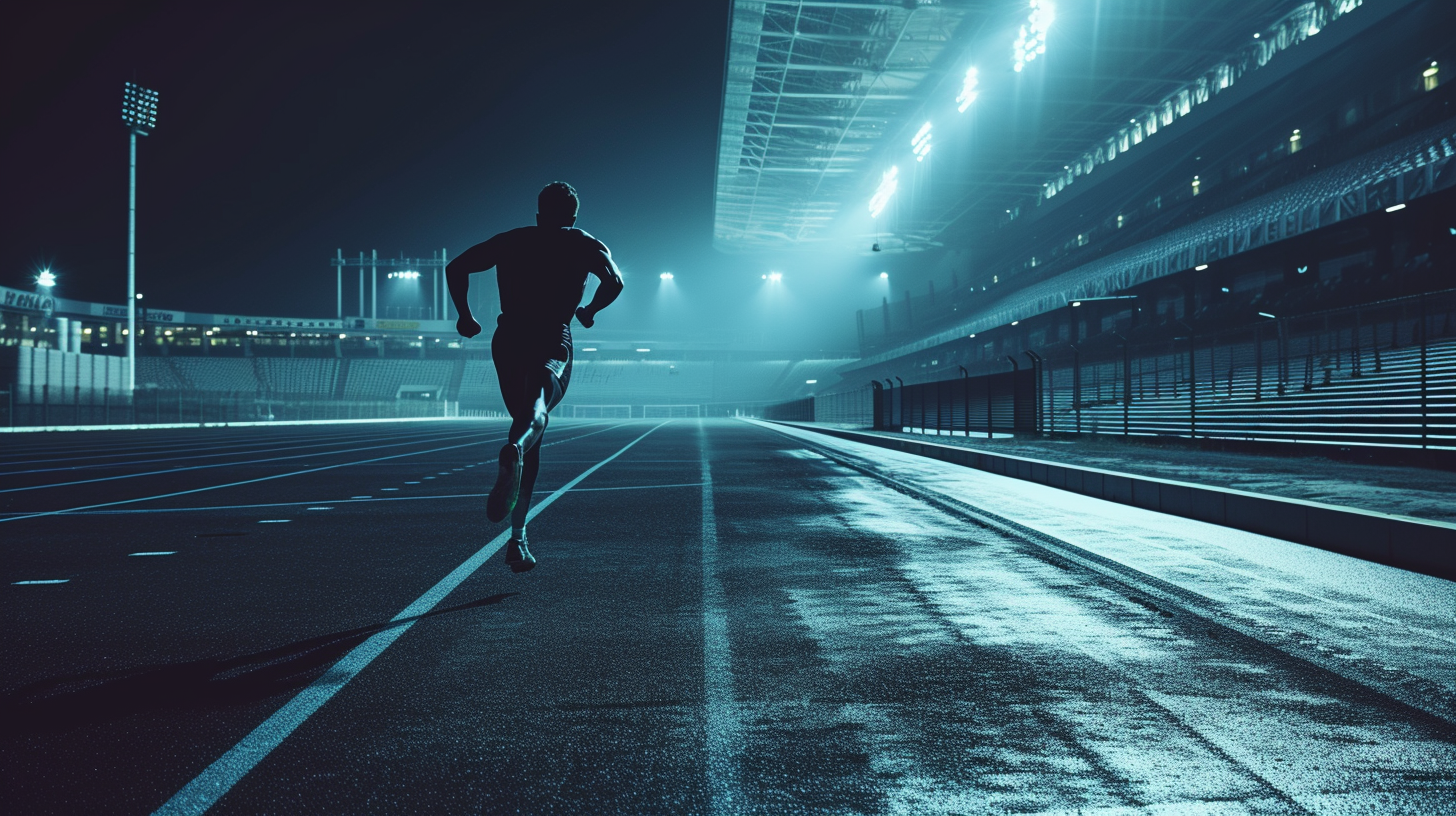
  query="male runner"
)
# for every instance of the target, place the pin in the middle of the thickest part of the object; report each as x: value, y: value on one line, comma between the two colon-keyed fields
x: 542, y: 275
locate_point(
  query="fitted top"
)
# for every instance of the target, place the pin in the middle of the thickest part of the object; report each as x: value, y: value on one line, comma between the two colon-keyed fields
x: 542, y: 275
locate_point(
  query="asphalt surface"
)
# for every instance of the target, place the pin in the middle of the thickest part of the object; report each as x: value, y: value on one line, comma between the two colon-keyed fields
x: 726, y: 618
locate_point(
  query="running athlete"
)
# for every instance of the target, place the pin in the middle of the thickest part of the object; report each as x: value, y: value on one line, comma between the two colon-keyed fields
x: 542, y: 274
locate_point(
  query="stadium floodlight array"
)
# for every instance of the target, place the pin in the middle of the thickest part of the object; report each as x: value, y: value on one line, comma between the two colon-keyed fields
x: 1032, y: 40
x: 667, y: 276
x: 921, y: 143
x: 139, y: 107
x: 139, y: 114
x: 407, y: 274
x: 46, y: 278
x: 970, y: 89
x: 889, y: 183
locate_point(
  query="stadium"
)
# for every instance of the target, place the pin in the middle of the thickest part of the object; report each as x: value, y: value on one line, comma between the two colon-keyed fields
x: 1024, y: 406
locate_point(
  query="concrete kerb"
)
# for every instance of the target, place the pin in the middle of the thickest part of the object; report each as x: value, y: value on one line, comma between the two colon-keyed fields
x: 1414, y: 544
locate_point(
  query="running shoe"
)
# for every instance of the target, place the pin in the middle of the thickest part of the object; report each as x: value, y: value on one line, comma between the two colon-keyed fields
x: 507, y: 485
x: 518, y: 556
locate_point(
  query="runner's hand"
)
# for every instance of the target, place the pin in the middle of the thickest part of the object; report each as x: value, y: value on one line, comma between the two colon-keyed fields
x: 585, y: 317
x: 467, y: 326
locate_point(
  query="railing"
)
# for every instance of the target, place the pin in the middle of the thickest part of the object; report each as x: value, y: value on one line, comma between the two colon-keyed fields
x: 1381, y: 375
x: 157, y: 406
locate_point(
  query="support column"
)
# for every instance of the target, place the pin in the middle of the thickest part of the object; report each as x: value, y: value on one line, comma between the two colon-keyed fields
x: 339, y: 298
x: 131, y: 329
x: 374, y: 283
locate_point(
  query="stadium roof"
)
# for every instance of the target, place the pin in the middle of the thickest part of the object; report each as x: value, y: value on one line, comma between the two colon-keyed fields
x: 822, y: 97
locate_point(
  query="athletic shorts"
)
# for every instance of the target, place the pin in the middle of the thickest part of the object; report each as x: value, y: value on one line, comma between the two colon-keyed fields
x: 527, y: 360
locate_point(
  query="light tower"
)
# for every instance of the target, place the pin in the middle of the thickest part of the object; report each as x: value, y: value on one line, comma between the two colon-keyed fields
x: 139, y: 114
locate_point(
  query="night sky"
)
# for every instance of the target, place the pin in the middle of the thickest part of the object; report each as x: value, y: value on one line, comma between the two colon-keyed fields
x: 287, y: 131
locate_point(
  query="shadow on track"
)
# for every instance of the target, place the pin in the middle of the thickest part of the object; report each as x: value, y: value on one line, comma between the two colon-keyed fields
x: 63, y: 703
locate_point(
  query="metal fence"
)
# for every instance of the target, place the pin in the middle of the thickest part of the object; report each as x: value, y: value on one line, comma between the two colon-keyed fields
x: 1380, y: 375
x: 157, y: 406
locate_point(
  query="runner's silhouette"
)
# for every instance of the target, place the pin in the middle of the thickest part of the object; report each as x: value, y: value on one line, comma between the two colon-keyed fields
x: 542, y: 273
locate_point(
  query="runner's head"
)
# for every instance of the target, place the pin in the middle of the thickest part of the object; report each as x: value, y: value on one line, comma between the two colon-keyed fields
x: 556, y: 205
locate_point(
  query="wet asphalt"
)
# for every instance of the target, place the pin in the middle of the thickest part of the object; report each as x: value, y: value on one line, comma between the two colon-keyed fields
x: 725, y: 619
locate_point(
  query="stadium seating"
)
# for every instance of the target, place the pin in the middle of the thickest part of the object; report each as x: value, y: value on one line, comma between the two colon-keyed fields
x: 227, y: 374
x: 381, y: 379
x: 480, y: 389
x: 314, y: 377
x: 157, y: 372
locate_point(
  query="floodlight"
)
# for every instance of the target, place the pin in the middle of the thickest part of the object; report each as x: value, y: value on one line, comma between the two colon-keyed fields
x: 921, y: 143
x: 1076, y: 303
x: 1032, y: 39
x: 46, y: 278
x: 1395, y: 208
x: 889, y: 183
x: 593, y: 348
x: 666, y: 276
x: 1015, y: 322
x: 810, y: 382
x: 644, y: 350
x: 1266, y: 314
x: 884, y: 276
x: 1200, y: 267
x: 969, y: 89
x: 775, y: 276
x: 139, y: 107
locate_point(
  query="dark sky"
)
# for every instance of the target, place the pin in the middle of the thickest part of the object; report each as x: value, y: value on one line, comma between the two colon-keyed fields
x: 286, y: 131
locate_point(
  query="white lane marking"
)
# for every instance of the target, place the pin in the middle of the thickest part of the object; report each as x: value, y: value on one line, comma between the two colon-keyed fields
x: 722, y: 733
x: 238, y: 483
x: 320, y: 508
x: 422, y: 438
x: 361, y: 497
x: 388, y: 488
x: 411, y: 482
x: 428, y: 478
x: 43, y: 581
x: 637, y: 487
x: 239, y: 448
x: 160, y: 552
x: 274, y: 521
x: 218, y: 778
x: 4, y: 518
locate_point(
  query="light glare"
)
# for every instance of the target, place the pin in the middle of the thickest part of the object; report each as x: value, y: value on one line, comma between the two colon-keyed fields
x: 1032, y: 39
x: 921, y: 143
x: 889, y: 183
x: 46, y: 278
x: 969, y: 89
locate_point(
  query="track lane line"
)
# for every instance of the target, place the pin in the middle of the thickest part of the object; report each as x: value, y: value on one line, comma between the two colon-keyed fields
x: 721, y: 730
x: 369, y: 500
x: 281, y: 476
x: 216, y: 452
x: 417, y: 440
x: 217, y: 779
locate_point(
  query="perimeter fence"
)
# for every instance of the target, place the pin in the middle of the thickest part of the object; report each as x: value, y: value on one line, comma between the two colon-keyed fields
x: 159, y: 406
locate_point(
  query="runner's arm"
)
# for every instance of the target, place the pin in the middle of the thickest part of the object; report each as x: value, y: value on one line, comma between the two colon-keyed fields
x: 611, y: 285
x: 457, y: 276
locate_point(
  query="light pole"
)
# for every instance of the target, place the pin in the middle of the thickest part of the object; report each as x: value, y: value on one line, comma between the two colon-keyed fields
x: 139, y: 114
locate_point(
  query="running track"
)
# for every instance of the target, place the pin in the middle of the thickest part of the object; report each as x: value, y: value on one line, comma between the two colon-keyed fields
x: 727, y: 618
